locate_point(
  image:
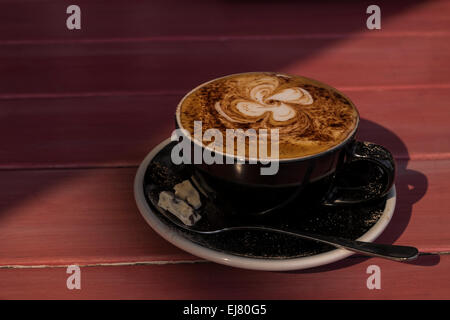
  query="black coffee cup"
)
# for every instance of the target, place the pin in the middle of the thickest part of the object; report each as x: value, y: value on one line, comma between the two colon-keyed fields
x: 328, y: 167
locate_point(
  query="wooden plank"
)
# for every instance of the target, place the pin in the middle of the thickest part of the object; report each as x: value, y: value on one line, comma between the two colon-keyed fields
x: 121, y: 130
x: 51, y: 217
x: 80, y: 216
x: 176, y: 67
x: 410, y: 123
x: 428, y: 279
x: 23, y: 21
x: 92, y: 131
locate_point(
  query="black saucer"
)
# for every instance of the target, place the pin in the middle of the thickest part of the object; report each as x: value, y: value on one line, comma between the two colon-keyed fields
x: 303, y: 213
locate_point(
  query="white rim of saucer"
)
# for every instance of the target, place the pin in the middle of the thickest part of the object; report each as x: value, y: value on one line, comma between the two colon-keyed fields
x: 177, y: 239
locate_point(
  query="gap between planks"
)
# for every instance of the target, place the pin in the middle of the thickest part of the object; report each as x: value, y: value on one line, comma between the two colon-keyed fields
x: 222, y: 38
x: 14, y: 96
x: 80, y: 166
x: 159, y: 263
x: 103, y: 264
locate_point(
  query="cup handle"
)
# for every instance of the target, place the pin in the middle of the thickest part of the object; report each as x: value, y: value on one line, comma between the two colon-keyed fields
x: 376, y: 155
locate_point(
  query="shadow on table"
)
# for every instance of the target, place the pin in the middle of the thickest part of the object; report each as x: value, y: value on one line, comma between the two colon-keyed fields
x: 410, y: 185
x: 424, y: 259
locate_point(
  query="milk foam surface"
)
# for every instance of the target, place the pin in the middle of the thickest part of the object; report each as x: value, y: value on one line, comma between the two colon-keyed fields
x: 311, y: 117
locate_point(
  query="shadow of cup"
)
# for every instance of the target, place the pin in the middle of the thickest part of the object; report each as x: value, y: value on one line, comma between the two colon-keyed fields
x: 411, y: 186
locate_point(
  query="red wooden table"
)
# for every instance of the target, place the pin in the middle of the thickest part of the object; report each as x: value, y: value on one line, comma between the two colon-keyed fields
x: 80, y: 109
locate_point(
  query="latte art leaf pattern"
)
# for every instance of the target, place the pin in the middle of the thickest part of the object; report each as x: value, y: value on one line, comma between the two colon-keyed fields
x: 263, y: 100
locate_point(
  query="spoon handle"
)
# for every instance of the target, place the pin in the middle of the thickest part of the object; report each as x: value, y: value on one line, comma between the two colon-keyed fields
x: 388, y: 251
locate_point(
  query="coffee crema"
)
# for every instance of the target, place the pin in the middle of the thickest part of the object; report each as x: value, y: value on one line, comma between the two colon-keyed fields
x: 310, y: 117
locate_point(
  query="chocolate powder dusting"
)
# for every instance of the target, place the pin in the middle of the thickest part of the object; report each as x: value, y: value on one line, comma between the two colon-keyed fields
x: 305, y: 126
x: 161, y: 176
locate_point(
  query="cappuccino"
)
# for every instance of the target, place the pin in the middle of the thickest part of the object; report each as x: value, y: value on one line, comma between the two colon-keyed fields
x: 310, y: 117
